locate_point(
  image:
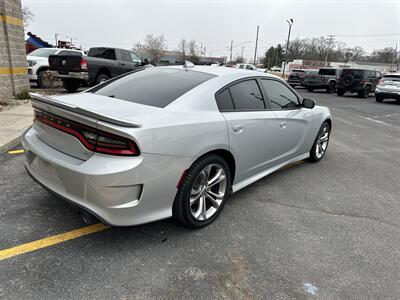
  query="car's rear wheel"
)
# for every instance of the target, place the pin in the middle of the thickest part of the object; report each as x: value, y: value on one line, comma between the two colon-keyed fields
x: 378, y: 98
x: 340, y: 92
x: 321, y: 143
x: 102, y: 78
x: 40, y: 79
x: 364, y: 93
x: 310, y: 89
x: 71, y: 85
x: 331, y: 87
x: 203, y: 192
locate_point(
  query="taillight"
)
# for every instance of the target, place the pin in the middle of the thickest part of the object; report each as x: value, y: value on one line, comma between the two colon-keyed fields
x: 93, y: 139
x: 84, y: 64
x: 380, y: 82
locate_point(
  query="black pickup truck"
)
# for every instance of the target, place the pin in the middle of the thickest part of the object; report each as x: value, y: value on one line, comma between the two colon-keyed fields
x: 99, y: 65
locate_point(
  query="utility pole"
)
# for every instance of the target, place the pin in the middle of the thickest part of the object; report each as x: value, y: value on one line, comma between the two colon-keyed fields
x: 290, y: 22
x: 230, y: 59
x: 330, y: 40
x: 255, y: 50
x: 56, y: 36
x: 242, y: 52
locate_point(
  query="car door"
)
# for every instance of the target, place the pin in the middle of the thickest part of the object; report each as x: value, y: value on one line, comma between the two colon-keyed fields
x: 252, y: 129
x: 126, y: 63
x: 294, y: 121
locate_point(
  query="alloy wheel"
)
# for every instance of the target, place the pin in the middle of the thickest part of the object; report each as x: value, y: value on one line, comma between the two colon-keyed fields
x: 208, y: 192
x: 322, y: 142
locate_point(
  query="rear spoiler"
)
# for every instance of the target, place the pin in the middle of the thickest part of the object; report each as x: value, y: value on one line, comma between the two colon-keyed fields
x: 81, y: 111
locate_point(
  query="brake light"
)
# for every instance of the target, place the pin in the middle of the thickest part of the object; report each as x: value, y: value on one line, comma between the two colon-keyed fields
x: 92, y: 138
x: 84, y: 64
x: 380, y: 82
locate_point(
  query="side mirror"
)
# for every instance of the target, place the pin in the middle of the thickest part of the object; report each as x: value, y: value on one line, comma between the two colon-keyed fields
x: 308, y: 103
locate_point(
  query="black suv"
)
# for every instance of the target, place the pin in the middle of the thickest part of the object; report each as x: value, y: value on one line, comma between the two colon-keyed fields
x: 358, y: 81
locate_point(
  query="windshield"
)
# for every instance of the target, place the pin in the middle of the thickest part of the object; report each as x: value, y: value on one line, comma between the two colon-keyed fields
x: 153, y: 86
x: 43, y: 52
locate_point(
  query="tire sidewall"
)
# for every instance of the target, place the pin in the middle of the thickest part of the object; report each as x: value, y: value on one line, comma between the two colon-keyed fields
x: 313, y: 156
x: 100, y: 77
x: 186, y: 187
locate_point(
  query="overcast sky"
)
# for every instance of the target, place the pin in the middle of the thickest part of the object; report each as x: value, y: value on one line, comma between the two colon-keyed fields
x: 371, y: 24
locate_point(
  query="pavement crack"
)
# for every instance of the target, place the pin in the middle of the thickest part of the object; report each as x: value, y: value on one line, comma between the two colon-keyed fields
x: 337, y: 214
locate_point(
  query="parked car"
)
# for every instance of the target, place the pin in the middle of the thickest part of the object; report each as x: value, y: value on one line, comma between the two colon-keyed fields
x: 388, y: 87
x: 276, y: 69
x: 246, y: 66
x: 132, y: 150
x: 359, y: 81
x: 99, y: 65
x: 324, y: 79
x: 38, y: 62
x: 296, y: 77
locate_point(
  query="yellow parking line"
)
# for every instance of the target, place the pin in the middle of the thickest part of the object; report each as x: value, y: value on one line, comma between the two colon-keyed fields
x: 51, y: 240
x: 16, y: 151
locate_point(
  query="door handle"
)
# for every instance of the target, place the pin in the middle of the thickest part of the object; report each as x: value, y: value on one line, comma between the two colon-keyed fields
x: 122, y: 64
x: 237, y: 128
x: 283, y: 125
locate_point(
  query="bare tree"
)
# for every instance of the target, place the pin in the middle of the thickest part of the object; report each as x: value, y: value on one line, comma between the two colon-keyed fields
x: 27, y: 16
x: 154, y: 46
x: 193, y: 52
x: 182, y: 47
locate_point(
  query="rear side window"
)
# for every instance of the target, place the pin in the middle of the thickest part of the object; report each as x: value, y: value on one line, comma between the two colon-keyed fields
x: 153, y: 86
x: 105, y: 53
x: 246, y: 95
x: 224, y: 101
x: 329, y: 72
x: 72, y: 53
x: 280, y: 95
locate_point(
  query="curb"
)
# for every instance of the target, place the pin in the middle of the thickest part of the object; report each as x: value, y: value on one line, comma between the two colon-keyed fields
x: 14, y: 142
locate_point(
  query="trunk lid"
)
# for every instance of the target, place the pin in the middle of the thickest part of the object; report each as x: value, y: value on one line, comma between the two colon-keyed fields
x: 87, y: 109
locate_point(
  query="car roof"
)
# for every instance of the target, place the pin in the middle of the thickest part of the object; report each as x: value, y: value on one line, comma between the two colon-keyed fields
x: 222, y: 71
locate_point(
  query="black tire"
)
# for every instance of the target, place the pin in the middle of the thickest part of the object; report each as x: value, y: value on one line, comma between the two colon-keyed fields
x: 101, y: 78
x: 71, y: 85
x: 364, y: 93
x: 331, y: 87
x: 182, y: 210
x: 379, y: 99
x: 313, y: 153
x: 310, y: 89
x: 340, y: 92
x: 40, y: 76
x: 293, y: 86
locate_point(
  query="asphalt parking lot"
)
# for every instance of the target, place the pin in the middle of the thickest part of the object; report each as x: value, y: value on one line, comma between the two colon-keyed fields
x: 328, y: 231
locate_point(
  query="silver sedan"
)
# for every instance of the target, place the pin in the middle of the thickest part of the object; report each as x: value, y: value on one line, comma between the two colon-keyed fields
x: 170, y: 141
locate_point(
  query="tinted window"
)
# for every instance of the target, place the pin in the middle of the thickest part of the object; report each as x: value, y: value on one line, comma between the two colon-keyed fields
x: 280, y: 95
x: 153, y: 86
x: 330, y: 72
x: 246, y: 95
x: 358, y: 74
x: 391, y: 78
x: 73, y: 53
x: 241, y: 66
x: 105, y: 53
x: 224, y: 100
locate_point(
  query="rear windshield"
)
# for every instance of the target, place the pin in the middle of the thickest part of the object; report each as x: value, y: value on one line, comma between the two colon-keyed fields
x: 298, y: 71
x: 391, y: 78
x: 106, y: 53
x: 330, y: 72
x: 153, y: 86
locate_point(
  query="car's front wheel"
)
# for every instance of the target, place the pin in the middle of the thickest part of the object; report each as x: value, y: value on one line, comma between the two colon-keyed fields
x: 203, y: 192
x: 340, y: 92
x: 378, y: 98
x: 321, y: 143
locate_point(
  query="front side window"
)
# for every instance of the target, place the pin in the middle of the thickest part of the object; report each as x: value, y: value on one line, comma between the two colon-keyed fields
x: 246, y: 95
x: 135, y: 58
x: 153, y: 86
x: 280, y: 95
x: 125, y: 56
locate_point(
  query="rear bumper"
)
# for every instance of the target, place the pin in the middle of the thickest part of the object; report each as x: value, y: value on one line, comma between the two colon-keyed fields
x: 72, y: 75
x: 314, y: 84
x: 120, y: 191
x: 388, y: 95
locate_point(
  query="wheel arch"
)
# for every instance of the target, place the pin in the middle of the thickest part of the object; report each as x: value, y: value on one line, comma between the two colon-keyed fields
x: 103, y: 71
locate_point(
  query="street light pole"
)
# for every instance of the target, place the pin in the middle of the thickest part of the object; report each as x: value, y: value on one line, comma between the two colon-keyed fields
x: 255, y: 50
x: 230, y: 59
x: 290, y: 22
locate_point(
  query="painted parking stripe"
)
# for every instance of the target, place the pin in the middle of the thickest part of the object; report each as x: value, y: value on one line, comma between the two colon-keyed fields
x: 16, y: 151
x: 51, y: 240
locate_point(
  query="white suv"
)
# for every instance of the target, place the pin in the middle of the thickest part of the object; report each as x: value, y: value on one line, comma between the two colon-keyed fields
x: 246, y: 66
x: 388, y: 87
x: 38, y: 62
